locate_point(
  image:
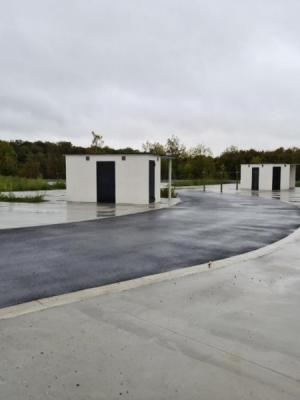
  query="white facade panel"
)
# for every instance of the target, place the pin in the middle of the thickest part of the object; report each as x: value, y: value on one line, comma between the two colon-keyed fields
x: 81, y: 179
x: 288, y: 175
x: 293, y: 176
x: 131, y: 177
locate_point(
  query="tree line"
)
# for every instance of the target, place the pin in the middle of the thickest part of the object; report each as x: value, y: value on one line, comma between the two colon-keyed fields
x: 46, y: 159
x: 43, y: 159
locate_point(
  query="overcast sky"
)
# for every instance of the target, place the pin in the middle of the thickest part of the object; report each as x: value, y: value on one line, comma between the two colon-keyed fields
x: 217, y: 72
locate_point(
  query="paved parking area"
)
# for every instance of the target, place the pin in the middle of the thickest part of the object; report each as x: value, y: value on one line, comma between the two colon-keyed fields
x: 45, y: 261
x: 290, y: 196
x: 57, y: 210
x: 225, y: 334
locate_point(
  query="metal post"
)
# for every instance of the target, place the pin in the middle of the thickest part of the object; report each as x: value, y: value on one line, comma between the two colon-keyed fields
x: 170, y: 180
x: 222, y: 178
x: 203, y: 177
x: 237, y: 180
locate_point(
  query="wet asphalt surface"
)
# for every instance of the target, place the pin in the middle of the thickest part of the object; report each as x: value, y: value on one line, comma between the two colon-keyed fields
x: 45, y: 261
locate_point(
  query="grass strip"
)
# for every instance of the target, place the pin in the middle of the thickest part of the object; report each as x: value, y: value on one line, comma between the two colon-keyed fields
x: 20, y: 184
x: 11, y: 198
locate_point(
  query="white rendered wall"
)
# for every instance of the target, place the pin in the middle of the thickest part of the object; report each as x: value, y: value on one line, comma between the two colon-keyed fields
x: 131, y: 178
x: 80, y: 179
x: 293, y: 177
x: 246, y: 177
x: 265, y: 176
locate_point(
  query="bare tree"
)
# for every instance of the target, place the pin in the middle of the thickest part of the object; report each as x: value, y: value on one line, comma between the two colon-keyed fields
x: 154, y: 148
x: 200, y: 150
x: 97, y: 140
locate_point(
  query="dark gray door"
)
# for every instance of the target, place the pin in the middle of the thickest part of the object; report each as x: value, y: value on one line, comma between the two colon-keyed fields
x: 255, y: 178
x: 151, y: 181
x: 276, y: 178
x: 106, y: 187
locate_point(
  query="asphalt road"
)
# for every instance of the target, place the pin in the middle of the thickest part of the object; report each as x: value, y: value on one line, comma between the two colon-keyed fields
x: 51, y: 260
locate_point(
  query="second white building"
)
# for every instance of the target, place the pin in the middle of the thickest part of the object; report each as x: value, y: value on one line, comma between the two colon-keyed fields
x: 113, y: 178
x: 268, y: 176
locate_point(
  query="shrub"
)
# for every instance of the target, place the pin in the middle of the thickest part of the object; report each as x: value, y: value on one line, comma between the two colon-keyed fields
x: 11, y: 198
x: 164, y: 193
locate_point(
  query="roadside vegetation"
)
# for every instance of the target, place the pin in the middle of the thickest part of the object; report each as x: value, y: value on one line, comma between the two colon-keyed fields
x: 45, y: 160
x: 200, y: 182
x: 164, y: 193
x: 12, y: 198
x: 18, y: 184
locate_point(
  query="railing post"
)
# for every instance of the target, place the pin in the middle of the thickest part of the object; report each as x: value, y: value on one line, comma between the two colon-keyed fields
x: 222, y: 177
x: 170, y: 180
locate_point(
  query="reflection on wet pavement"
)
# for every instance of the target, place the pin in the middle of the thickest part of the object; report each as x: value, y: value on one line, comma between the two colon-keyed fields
x: 106, y: 212
x: 47, y: 261
x: 57, y: 210
x: 290, y: 196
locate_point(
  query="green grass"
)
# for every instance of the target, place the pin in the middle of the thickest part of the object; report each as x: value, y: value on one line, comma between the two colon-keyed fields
x: 200, y: 182
x: 11, y: 198
x: 164, y: 193
x: 16, y: 184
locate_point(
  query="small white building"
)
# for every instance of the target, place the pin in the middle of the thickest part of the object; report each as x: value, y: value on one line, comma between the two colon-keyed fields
x: 268, y: 176
x: 113, y: 178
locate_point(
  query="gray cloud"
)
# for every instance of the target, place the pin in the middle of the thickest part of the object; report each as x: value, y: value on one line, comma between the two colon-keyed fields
x: 214, y: 72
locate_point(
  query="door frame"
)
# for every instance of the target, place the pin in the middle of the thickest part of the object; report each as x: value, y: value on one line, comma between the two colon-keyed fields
x: 275, y: 184
x: 255, y: 170
x: 152, y: 166
x: 99, y: 192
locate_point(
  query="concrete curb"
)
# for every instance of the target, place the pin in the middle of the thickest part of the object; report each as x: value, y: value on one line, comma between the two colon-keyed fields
x: 85, y: 294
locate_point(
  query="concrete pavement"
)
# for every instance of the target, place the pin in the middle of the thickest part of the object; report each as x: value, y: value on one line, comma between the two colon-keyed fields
x: 289, y: 196
x: 46, y: 261
x: 226, y: 334
x: 57, y: 210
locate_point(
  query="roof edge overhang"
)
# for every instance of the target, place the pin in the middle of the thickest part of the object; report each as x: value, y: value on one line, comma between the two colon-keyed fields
x: 112, y: 155
x: 283, y: 163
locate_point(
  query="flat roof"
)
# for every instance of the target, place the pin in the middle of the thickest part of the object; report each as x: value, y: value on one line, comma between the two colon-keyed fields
x: 282, y: 163
x: 112, y: 154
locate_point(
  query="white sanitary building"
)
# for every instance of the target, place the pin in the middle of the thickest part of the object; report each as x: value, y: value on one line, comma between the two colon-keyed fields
x: 113, y: 178
x: 268, y: 176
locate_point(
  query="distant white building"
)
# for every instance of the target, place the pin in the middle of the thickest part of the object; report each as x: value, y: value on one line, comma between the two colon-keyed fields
x: 268, y: 176
x: 113, y: 178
